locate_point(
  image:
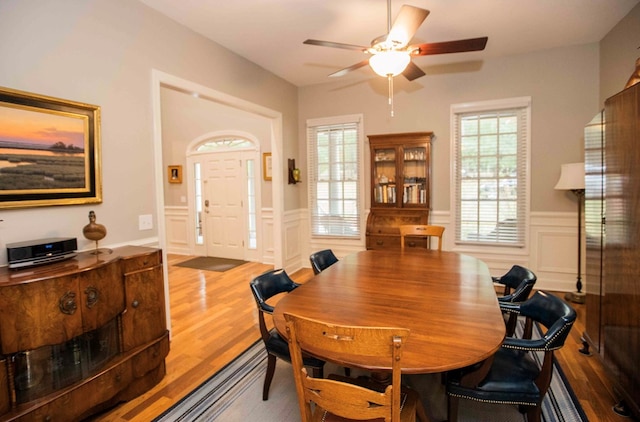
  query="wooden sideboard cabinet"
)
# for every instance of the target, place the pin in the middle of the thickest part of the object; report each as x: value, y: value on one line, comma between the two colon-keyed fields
x: 81, y: 335
x: 400, y: 186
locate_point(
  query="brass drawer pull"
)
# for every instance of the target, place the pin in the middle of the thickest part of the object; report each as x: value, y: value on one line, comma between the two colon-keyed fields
x: 67, y: 303
x: 92, y: 296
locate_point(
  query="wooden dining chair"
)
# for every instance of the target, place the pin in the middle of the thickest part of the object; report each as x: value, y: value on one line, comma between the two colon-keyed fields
x: 422, y: 230
x: 342, y: 398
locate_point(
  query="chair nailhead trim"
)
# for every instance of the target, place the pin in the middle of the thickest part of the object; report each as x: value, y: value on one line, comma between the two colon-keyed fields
x: 522, y: 403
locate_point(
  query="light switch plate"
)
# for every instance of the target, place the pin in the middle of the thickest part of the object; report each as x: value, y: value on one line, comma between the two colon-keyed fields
x: 145, y: 222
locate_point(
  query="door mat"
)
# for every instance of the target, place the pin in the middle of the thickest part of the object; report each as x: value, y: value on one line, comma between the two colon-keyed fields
x: 211, y: 263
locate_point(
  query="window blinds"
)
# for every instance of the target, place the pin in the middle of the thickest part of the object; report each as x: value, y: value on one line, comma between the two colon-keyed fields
x: 491, y: 164
x: 334, y: 193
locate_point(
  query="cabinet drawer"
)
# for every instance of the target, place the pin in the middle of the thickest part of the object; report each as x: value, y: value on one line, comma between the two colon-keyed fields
x: 79, y: 401
x: 416, y: 242
x: 144, y: 319
x: 38, y: 314
x: 150, y: 357
x: 139, y: 262
x: 383, y: 242
x: 5, y: 398
x: 101, y: 295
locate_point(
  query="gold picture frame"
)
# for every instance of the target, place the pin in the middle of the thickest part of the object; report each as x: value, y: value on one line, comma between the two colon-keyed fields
x: 267, y: 167
x: 174, y: 174
x: 49, y: 151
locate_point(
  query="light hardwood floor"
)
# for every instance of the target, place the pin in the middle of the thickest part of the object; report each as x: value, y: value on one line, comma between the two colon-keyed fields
x: 214, y: 318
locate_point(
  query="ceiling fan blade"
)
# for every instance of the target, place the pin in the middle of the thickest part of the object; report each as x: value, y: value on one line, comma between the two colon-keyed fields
x: 412, y: 71
x: 406, y: 24
x: 336, y: 45
x: 346, y: 70
x: 459, y: 46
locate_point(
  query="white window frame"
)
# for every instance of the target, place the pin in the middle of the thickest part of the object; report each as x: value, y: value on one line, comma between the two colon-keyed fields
x: 523, y: 103
x: 356, y: 119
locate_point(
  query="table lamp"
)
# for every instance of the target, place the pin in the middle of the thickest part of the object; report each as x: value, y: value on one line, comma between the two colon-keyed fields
x: 572, y: 178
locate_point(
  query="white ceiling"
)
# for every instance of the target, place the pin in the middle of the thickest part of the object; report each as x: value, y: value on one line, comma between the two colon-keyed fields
x: 270, y: 32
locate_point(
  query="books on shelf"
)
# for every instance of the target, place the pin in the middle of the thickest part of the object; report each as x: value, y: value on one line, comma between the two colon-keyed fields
x: 385, y: 194
x: 414, y: 194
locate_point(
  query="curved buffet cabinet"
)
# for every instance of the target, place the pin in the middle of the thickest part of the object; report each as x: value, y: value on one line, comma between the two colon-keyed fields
x: 82, y: 335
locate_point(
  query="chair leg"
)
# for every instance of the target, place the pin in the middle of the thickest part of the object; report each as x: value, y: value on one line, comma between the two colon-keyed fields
x: 534, y: 413
x: 421, y: 411
x: 452, y: 409
x: 511, y: 324
x: 271, y: 369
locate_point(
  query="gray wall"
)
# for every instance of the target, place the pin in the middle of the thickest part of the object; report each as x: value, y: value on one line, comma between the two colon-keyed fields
x: 619, y: 50
x: 562, y: 83
x: 185, y: 118
x: 102, y: 52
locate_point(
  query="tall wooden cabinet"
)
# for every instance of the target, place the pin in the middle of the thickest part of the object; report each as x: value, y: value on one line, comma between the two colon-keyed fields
x: 81, y: 335
x: 613, y: 307
x: 400, y: 186
x: 594, y: 137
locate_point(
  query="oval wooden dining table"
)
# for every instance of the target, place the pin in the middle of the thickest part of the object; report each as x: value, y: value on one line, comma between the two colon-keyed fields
x: 445, y: 299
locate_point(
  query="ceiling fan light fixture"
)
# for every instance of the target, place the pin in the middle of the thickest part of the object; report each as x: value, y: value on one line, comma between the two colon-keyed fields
x: 387, y: 63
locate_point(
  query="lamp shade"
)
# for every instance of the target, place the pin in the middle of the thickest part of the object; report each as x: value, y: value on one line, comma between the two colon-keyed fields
x: 387, y: 63
x: 571, y: 177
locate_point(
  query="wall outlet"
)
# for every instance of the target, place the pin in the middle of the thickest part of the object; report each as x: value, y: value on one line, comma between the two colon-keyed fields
x: 145, y: 222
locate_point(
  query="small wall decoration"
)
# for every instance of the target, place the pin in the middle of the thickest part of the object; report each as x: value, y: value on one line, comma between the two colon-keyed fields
x: 175, y: 174
x: 49, y: 151
x: 267, y: 168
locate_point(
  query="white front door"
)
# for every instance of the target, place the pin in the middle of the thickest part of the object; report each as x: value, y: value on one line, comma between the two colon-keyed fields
x: 224, y: 190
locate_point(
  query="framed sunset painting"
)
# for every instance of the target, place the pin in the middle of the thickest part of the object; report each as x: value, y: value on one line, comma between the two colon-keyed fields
x: 49, y: 151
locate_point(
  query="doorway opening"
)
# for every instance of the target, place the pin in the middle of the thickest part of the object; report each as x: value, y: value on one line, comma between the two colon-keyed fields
x: 224, y: 196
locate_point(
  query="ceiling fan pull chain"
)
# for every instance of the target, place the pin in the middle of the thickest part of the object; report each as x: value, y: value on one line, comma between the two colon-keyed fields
x: 390, y: 79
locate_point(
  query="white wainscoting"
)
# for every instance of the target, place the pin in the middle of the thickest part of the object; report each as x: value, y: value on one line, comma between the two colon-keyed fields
x: 267, y: 235
x: 176, y: 223
x: 178, y: 232
x: 552, y: 251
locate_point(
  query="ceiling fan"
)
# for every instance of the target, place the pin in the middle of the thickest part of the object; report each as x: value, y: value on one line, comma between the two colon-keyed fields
x: 391, y: 53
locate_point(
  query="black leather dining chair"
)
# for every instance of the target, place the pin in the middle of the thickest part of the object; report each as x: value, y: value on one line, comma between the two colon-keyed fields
x: 264, y: 287
x: 512, y: 375
x: 512, y: 279
x: 518, y: 282
x: 322, y: 260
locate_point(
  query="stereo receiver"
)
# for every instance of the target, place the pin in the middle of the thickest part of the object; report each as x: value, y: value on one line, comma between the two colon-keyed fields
x: 41, y: 251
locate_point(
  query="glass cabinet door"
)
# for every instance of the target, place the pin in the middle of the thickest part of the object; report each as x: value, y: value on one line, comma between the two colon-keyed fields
x: 384, y: 174
x: 415, y: 176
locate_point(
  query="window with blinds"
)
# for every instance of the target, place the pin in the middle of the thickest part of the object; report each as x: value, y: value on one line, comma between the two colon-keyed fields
x: 335, y: 197
x: 491, y: 171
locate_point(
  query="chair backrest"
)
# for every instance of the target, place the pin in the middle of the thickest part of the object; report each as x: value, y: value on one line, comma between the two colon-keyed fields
x: 343, y: 399
x: 321, y: 260
x: 521, y: 280
x: 264, y: 287
x: 421, y: 230
x: 554, y: 314
x: 558, y: 318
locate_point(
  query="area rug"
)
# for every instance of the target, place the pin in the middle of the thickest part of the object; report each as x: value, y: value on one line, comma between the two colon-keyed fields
x: 235, y: 394
x: 211, y: 263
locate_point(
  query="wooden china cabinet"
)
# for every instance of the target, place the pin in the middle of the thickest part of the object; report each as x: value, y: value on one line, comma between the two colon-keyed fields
x: 81, y: 335
x: 400, y: 186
